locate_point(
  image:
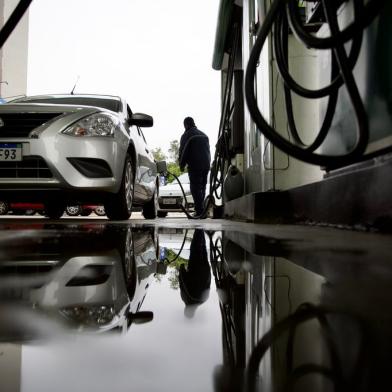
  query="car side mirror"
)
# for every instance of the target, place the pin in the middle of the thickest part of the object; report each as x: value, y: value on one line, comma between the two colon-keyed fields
x: 141, y: 120
x: 140, y: 317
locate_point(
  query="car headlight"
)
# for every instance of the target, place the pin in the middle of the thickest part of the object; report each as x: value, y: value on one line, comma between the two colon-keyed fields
x: 99, y: 124
x: 89, y: 315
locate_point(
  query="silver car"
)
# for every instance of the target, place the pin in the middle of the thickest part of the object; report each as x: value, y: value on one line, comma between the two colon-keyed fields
x: 73, y: 149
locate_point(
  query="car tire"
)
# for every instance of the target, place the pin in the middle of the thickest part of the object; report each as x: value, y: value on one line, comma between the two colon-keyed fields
x: 129, y: 262
x: 73, y: 210
x: 54, y: 210
x: 4, y: 208
x: 119, y: 206
x: 150, y: 208
x: 100, y: 211
x: 30, y: 212
x: 162, y: 214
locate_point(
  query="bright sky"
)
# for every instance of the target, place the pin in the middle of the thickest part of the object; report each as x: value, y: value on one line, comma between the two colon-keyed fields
x: 156, y: 54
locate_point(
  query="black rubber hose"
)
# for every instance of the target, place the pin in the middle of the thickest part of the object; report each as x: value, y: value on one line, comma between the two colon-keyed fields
x: 348, y: 77
x: 179, y: 253
x: 185, y: 209
x: 371, y: 10
x: 278, y: 140
x: 13, y: 20
x: 281, y: 54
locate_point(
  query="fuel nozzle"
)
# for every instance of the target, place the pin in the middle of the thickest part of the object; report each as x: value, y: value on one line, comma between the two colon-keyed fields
x: 161, y: 167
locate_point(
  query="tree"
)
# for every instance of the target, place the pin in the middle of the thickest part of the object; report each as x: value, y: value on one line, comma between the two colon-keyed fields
x: 173, y: 167
x: 174, y: 264
x: 173, y: 150
x: 158, y: 154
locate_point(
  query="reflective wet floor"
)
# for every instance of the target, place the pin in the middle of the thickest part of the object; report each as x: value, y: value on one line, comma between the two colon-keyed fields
x: 176, y: 305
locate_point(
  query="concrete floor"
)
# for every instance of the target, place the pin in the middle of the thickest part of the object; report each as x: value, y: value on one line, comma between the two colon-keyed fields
x: 332, y: 286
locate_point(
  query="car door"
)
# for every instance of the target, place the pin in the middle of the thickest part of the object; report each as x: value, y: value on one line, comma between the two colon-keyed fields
x: 145, y: 171
x: 148, y: 170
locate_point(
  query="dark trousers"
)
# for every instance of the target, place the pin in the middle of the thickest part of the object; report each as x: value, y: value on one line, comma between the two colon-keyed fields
x: 198, y: 182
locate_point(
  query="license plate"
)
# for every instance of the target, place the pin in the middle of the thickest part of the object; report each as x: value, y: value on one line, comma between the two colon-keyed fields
x: 10, y: 151
x: 169, y: 201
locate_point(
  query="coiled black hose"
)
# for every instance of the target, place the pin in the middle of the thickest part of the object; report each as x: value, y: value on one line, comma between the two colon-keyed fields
x: 279, y: 15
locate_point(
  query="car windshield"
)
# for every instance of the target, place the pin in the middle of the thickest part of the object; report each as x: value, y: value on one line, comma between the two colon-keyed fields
x: 184, y: 178
x: 113, y: 104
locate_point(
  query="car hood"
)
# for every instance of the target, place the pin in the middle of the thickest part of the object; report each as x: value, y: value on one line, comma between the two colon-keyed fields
x: 173, y: 190
x: 46, y: 108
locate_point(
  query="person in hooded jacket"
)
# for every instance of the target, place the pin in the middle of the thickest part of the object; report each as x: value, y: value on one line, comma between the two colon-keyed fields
x: 195, y: 279
x: 195, y: 154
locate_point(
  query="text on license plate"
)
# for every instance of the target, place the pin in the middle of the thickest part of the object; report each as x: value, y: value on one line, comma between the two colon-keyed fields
x: 10, y: 151
x: 169, y: 201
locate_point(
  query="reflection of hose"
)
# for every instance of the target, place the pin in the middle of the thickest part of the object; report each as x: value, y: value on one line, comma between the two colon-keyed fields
x: 216, y: 260
x: 289, y: 324
x: 13, y: 20
x: 178, y: 254
x: 281, y: 13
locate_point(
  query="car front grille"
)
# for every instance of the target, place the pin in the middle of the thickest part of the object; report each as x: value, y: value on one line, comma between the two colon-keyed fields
x: 19, y: 125
x: 25, y: 278
x: 29, y: 167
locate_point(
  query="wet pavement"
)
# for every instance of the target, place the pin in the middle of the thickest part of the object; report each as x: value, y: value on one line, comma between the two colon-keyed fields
x: 178, y: 305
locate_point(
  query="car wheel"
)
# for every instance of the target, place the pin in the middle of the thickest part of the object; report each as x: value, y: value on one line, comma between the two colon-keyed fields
x: 4, y: 208
x: 162, y: 214
x: 119, y: 206
x: 54, y: 210
x: 73, y: 210
x: 100, y: 211
x: 150, y: 208
x: 30, y: 212
x: 129, y: 263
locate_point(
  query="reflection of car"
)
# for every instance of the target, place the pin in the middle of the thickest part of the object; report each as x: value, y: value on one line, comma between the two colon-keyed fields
x: 21, y: 208
x: 171, y: 196
x: 99, y: 283
x: 73, y: 149
x: 85, y: 210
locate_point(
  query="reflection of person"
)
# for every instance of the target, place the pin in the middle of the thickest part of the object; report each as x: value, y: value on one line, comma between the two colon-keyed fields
x: 195, y: 153
x: 195, y: 280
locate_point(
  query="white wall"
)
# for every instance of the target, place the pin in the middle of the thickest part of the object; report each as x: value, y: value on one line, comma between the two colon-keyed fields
x: 14, y: 54
x: 303, y: 65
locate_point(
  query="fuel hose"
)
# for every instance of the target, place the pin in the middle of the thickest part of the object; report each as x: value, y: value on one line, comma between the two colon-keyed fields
x: 282, y: 15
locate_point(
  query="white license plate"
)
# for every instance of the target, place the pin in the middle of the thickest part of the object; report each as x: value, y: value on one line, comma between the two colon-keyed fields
x: 169, y: 201
x: 10, y: 151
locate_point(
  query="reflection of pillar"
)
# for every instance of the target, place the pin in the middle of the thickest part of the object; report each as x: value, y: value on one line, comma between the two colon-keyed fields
x: 10, y: 367
x: 1, y: 52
